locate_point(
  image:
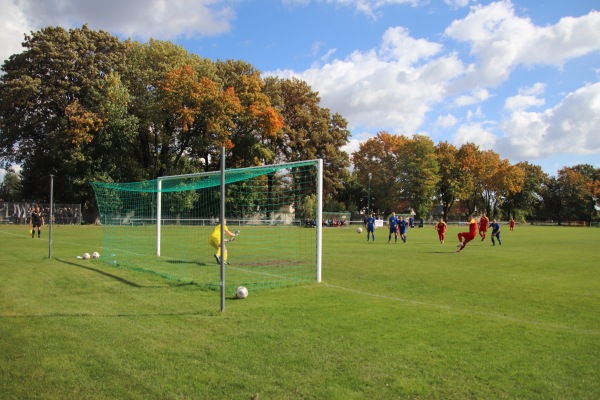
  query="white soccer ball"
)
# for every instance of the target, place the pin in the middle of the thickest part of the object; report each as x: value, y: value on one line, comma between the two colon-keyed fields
x: 86, y: 256
x: 358, y: 230
x: 241, y: 292
x: 95, y: 255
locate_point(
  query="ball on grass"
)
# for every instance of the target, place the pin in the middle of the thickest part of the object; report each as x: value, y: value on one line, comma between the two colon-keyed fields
x: 358, y: 230
x: 86, y: 256
x: 241, y: 292
x: 95, y: 255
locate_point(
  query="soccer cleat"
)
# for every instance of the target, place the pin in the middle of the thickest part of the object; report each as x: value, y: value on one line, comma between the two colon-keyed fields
x: 227, y: 262
x: 218, y: 259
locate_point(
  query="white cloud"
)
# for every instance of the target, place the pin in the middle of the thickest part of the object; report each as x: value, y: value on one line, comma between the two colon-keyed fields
x: 399, y: 46
x: 371, y: 8
x: 475, y: 115
x: 13, y: 26
x: 475, y: 97
x: 446, y: 121
x: 390, y: 88
x: 571, y: 127
x: 521, y: 102
x: 526, y: 98
x: 140, y: 19
x: 474, y: 133
x: 457, y: 3
x: 501, y: 41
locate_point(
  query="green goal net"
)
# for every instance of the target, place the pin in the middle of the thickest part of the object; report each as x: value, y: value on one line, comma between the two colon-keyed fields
x: 163, y: 226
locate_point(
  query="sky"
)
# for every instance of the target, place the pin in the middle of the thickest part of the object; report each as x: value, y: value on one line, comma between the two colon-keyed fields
x: 520, y: 77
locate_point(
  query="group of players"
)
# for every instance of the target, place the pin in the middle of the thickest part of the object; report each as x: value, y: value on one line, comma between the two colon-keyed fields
x: 398, y: 225
x: 484, y: 223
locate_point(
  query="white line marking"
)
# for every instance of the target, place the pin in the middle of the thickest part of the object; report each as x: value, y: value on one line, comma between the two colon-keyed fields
x: 472, y: 312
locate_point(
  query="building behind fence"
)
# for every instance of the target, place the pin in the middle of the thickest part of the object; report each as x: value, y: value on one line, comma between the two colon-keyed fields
x: 18, y: 213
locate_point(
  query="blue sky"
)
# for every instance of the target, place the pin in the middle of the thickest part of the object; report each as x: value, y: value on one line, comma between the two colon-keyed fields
x: 520, y: 77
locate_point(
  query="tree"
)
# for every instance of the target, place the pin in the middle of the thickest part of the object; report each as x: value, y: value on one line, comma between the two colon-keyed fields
x: 417, y: 173
x: 378, y: 156
x: 199, y: 117
x: 47, y: 118
x: 309, y: 131
x: 156, y: 75
x: 10, y: 188
x: 450, y: 184
x: 469, y: 162
x: 577, y: 192
x: 528, y: 200
x: 257, y: 124
x: 354, y: 195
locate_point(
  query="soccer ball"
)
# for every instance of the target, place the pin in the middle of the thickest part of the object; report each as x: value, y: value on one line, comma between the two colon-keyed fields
x: 358, y: 230
x: 86, y: 256
x: 95, y: 255
x: 241, y: 292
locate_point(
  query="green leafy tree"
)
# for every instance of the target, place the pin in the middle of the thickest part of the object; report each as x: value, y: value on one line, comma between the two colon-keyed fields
x: 10, y: 188
x: 450, y: 185
x: 527, y: 201
x: 156, y: 76
x: 378, y: 156
x: 309, y: 131
x: 577, y: 192
x: 47, y: 116
x: 257, y: 124
x: 417, y: 173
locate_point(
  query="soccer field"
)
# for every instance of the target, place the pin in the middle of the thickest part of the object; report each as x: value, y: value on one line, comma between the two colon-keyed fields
x: 389, y: 321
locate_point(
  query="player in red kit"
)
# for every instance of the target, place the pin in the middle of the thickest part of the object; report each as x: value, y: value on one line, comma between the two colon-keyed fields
x: 484, y: 222
x: 466, y: 237
x: 441, y: 229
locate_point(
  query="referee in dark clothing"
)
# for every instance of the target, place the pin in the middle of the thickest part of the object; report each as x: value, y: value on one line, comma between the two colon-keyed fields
x: 36, y: 220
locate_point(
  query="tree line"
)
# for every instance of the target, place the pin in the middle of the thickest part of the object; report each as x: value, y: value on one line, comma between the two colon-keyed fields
x: 84, y: 106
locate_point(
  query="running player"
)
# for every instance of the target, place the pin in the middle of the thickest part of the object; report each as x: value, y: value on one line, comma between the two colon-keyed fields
x: 393, y: 225
x: 441, y: 229
x: 402, y: 225
x: 483, y: 226
x: 495, y: 232
x: 466, y: 237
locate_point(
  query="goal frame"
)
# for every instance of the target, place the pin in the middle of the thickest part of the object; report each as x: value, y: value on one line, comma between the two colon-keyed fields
x: 319, y: 204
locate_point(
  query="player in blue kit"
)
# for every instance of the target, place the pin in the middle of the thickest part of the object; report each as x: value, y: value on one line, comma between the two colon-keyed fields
x: 495, y: 232
x: 402, y: 225
x: 371, y: 227
x: 393, y: 225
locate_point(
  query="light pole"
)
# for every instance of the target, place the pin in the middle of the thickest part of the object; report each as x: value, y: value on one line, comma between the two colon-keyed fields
x: 369, y: 201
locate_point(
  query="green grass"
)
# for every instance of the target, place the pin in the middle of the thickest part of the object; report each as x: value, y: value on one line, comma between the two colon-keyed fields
x: 389, y: 321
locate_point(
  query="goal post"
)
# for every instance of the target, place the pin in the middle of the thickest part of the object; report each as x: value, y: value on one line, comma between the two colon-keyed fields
x: 162, y: 226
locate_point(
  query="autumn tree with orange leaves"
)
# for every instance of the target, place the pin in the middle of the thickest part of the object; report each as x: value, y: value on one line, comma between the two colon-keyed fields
x: 200, y: 115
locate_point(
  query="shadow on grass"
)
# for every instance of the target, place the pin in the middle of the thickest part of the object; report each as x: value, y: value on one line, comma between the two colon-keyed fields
x: 200, y: 263
x: 117, y: 278
x: 170, y: 284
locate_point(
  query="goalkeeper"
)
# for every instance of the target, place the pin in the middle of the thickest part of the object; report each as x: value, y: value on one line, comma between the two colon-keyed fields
x: 215, y: 241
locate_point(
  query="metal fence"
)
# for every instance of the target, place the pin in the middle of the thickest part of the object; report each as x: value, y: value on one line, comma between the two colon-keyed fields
x: 19, y: 213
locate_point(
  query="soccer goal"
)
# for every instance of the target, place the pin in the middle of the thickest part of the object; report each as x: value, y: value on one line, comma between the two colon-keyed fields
x: 163, y: 226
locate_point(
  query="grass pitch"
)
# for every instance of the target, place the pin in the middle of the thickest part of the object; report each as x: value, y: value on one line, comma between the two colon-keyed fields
x: 389, y: 321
